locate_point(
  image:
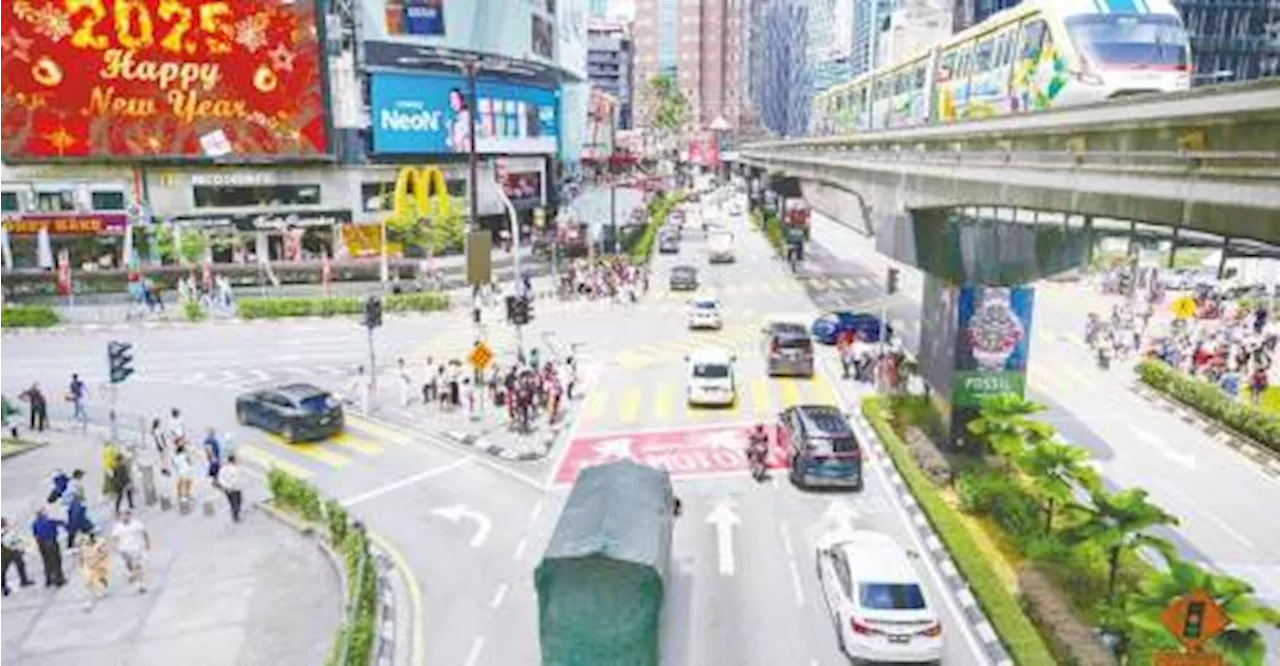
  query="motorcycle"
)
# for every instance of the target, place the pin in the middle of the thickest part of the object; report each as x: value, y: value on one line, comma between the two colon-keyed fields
x: 1104, y: 358
x: 756, y: 452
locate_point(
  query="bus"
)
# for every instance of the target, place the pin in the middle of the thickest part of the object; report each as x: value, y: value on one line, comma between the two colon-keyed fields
x: 1038, y: 55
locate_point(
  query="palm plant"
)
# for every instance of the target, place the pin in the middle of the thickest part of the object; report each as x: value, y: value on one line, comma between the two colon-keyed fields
x: 1240, y: 644
x: 1055, y: 470
x: 1003, y: 423
x: 1117, y: 522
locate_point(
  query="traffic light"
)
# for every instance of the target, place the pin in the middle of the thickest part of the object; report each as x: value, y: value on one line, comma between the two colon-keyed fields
x: 892, y: 283
x: 521, y: 311
x: 372, y: 312
x: 511, y: 308
x: 120, y: 360
x: 1195, y: 620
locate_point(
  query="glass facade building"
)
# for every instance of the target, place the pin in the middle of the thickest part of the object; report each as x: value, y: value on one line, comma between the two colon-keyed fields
x: 1233, y: 40
x: 870, y: 18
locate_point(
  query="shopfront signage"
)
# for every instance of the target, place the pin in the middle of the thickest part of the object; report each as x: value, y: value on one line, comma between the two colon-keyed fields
x: 162, y: 79
x: 265, y: 221
x: 234, y: 179
x: 68, y: 224
x: 417, y: 188
x: 427, y: 114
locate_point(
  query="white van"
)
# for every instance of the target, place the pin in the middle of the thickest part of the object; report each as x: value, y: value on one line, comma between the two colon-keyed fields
x: 709, y: 377
x: 720, y: 246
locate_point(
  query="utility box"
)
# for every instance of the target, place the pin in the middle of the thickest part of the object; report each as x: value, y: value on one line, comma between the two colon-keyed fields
x: 601, y: 582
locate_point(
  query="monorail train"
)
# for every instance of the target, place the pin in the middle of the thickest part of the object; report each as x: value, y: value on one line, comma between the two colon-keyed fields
x: 1038, y: 55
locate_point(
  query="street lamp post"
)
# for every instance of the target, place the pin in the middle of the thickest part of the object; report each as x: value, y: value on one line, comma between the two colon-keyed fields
x: 471, y: 68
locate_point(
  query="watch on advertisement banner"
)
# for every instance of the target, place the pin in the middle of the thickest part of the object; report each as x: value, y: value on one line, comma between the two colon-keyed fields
x: 162, y: 79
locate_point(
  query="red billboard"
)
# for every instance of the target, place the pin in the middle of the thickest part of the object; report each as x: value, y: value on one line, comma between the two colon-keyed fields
x: 161, y: 79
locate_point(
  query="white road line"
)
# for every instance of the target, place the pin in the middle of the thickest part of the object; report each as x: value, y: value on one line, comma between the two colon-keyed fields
x: 795, y: 582
x: 786, y: 540
x: 499, y: 596
x: 409, y: 480
x: 1222, y: 525
x: 524, y: 543
x: 537, y: 509
x: 474, y: 655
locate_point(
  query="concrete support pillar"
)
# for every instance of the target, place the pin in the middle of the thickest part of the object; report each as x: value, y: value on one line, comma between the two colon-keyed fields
x: 1090, y: 241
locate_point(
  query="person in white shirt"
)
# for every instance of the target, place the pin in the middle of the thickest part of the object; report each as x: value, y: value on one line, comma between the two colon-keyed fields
x: 132, y: 542
x: 229, y: 481
x: 406, y: 384
x: 177, y: 431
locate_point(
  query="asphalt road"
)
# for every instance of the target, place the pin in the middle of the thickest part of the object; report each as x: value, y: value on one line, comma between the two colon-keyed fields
x: 472, y: 528
x: 1218, y: 494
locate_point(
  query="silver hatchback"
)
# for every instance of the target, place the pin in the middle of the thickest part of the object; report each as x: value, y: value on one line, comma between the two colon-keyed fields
x: 788, y: 349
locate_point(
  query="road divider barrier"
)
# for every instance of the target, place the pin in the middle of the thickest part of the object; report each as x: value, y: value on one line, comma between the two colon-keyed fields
x: 271, y: 308
x: 1212, y: 402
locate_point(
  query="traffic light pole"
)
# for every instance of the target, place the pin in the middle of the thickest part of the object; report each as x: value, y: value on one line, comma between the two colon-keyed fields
x: 515, y: 246
x: 373, y: 372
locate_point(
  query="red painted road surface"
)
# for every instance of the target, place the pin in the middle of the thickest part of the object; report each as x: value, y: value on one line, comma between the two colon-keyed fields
x: 685, y: 453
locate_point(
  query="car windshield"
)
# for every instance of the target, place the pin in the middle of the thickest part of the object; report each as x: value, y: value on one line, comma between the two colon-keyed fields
x: 1142, y: 40
x: 704, y: 305
x: 682, y: 271
x: 829, y: 445
x: 891, y: 596
x: 710, y: 370
x: 787, y: 341
x: 315, y: 404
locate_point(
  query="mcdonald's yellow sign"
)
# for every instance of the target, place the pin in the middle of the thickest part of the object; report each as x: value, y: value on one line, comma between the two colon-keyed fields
x: 415, y: 187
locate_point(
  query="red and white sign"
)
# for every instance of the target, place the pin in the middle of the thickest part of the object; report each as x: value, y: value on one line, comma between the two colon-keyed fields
x: 685, y: 453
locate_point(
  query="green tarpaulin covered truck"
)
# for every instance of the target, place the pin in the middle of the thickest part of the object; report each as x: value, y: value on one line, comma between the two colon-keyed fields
x: 600, y: 583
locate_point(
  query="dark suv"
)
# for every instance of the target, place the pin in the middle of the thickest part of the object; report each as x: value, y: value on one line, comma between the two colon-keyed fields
x: 788, y: 349
x: 820, y: 447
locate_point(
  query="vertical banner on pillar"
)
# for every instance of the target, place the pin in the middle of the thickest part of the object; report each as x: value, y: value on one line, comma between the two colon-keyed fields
x: 993, y: 342
x: 479, y: 257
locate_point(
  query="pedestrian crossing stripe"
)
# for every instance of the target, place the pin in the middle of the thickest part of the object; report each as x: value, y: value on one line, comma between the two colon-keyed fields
x: 380, y: 431
x: 266, y: 460
x: 313, y: 450
x: 757, y: 400
x: 345, y: 440
x: 658, y: 352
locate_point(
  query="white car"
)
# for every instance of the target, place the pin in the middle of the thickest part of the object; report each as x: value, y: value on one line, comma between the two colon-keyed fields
x: 709, y: 377
x: 876, y: 600
x: 704, y: 313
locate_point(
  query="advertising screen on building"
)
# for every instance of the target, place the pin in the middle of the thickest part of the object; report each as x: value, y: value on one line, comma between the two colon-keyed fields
x: 162, y: 79
x: 428, y: 114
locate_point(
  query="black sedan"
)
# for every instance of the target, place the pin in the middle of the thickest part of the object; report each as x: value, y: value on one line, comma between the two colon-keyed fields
x: 684, y: 278
x: 298, y: 412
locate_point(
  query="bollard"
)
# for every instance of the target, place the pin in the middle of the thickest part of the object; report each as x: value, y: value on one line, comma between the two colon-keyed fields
x: 166, y: 503
x: 148, y: 484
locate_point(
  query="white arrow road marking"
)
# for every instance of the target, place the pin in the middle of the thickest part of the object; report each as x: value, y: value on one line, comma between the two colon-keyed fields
x: 724, y: 519
x: 1184, y: 459
x: 457, y: 512
x: 728, y: 440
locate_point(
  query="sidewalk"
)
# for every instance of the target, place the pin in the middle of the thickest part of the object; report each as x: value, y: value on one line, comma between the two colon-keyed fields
x: 217, y: 592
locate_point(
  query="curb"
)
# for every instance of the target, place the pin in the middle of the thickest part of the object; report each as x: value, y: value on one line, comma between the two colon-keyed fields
x: 502, y: 452
x: 27, y: 447
x: 1267, y: 460
x: 951, y: 575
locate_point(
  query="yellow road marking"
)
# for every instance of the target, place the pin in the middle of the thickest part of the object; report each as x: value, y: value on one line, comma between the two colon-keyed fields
x: 825, y: 391
x: 268, y: 460
x: 664, y: 403
x: 345, y: 439
x: 759, y: 394
x: 790, y: 392
x: 629, y: 405
x: 593, y: 406
x: 380, y: 431
x: 311, y: 450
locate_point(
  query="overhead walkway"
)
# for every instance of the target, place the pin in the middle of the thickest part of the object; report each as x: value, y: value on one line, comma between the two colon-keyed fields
x: 1205, y: 160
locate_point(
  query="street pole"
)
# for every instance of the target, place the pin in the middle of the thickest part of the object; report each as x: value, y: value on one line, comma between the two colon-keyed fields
x: 515, y: 246
x: 373, y: 373
x: 471, y: 67
x: 613, y: 182
x: 384, y: 271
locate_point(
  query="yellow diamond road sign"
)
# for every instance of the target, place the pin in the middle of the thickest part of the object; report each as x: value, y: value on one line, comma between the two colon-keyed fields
x: 1184, y: 307
x: 480, y: 356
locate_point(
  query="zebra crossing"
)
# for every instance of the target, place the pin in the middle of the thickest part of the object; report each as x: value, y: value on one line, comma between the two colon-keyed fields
x: 622, y: 405
x: 362, y: 440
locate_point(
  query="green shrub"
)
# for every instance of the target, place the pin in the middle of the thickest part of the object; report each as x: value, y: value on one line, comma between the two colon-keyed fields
x: 272, y: 308
x: 1213, y: 403
x: 1001, y: 606
x: 193, y: 311
x: 296, y: 495
x: 641, y: 248
x: 28, y: 316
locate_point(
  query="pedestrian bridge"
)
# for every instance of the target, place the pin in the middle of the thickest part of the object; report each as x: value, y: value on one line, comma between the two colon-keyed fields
x: 1205, y: 160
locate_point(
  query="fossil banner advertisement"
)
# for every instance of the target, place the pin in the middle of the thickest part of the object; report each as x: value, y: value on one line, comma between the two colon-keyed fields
x: 993, y: 340
x: 162, y: 79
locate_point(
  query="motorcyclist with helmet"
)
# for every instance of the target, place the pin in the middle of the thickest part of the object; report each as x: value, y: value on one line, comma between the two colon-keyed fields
x: 757, y: 449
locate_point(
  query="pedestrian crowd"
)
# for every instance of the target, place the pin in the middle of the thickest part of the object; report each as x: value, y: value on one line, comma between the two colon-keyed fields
x: 67, y: 528
x: 611, y: 277
x: 869, y: 362
x: 1228, y: 343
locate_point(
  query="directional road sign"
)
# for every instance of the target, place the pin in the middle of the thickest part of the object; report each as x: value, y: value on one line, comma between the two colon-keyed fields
x: 1194, y: 619
x: 480, y: 356
x: 1184, y: 307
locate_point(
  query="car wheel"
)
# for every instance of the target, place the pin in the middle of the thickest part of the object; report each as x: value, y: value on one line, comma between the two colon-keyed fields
x: 291, y: 433
x: 242, y: 415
